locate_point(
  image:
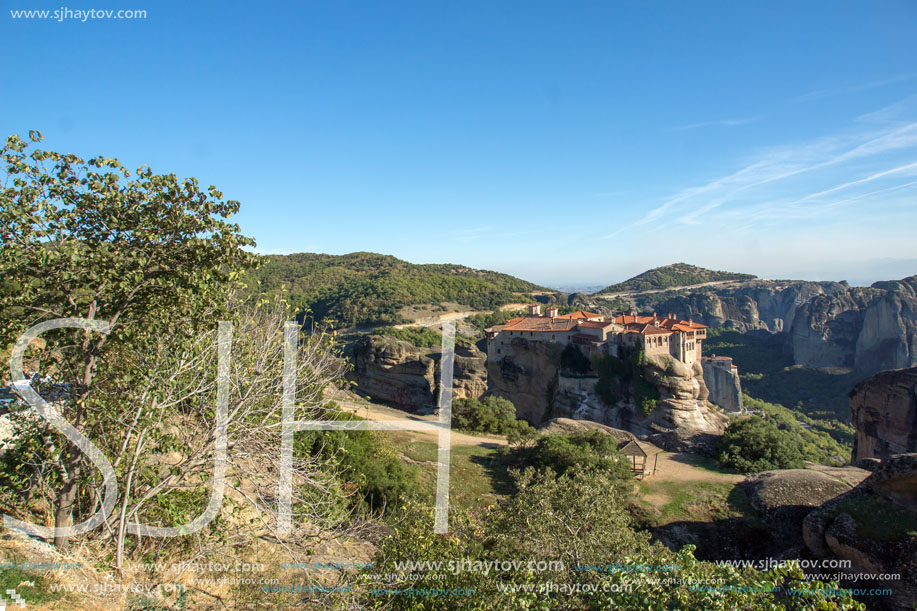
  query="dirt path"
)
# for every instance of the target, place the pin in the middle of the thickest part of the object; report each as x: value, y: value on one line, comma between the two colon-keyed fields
x: 683, y: 469
x: 371, y: 411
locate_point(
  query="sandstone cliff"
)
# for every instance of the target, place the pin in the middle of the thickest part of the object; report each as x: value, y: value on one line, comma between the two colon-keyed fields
x: 723, y: 383
x: 827, y: 324
x: 682, y: 420
x: 527, y: 377
x: 406, y: 376
x: 872, y: 526
x: 884, y: 412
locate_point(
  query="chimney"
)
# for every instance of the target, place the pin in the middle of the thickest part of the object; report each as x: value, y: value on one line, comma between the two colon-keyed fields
x: 552, y: 312
x: 534, y: 309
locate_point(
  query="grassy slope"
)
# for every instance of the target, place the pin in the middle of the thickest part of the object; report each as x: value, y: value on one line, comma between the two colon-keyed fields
x: 370, y: 288
x: 667, y: 276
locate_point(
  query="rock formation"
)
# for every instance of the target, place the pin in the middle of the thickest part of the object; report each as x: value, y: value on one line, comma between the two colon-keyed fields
x: 883, y: 409
x: 527, y: 377
x: 397, y: 372
x: 827, y: 324
x: 723, y: 383
x: 683, y: 419
x: 872, y: 526
x: 784, y: 498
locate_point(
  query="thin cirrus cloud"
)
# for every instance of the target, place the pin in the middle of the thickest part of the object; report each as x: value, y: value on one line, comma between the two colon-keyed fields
x: 803, y: 180
x: 717, y: 123
x: 827, y: 93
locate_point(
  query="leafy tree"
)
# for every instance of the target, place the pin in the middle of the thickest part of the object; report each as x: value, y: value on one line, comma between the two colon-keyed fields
x: 87, y: 239
x: 494, y: 415
x: 753, y: 444
x: 574, y: 521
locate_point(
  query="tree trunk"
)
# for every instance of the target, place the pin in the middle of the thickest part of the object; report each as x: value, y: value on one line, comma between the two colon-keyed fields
x: 63, y: 512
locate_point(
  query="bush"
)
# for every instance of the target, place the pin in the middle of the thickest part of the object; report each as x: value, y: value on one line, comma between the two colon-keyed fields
x: 581, y: 450
x: 753, y: 444
x: 494, y: 415
x: 367, y: 460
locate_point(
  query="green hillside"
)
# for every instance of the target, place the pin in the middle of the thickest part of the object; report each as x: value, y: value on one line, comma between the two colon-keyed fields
x: 670, y: 276
x: 365, y: 287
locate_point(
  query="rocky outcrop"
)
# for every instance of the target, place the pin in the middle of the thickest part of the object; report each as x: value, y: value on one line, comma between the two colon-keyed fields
x: 784, y: 498
x: 723, y: 382
x: 567, y: 426
x: 872, y: 526
x: 397, y: 372
x: 527, y: 376
x: 827, y: 324
x: 883, y: 409
x: 756, y: 305
x: 683, y: 419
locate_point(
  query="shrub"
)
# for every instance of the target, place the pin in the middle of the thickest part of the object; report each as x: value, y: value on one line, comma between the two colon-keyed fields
x: 581, y: 450
x: 753, y: 444
x: 494, y: 415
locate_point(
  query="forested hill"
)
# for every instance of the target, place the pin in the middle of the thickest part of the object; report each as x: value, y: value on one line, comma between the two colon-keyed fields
x: 670, y: 276
x: 365, y: 287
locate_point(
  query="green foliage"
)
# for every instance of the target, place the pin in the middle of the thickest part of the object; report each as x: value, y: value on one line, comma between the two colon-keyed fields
x: 499, y: 317
x: 675, y: 275
x: 625, y: 376
x: 574, y: 520
x: 814, y: 443
x: 494, y: 415
x: 580, y: 450
x: 11, y: 578
x: 367, y: 288
x: 753, y: 444
x: 90, y: 239
x: 422, y: 337
x: 365, y: 459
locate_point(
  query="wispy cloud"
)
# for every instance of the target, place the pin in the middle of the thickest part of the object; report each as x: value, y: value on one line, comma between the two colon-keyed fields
x: 802, y: 180
x: 855, y: 88
x: 717, y: 123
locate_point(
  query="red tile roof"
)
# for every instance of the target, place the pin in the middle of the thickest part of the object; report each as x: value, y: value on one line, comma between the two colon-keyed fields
x: 672, y: 324
x: 579, y: 315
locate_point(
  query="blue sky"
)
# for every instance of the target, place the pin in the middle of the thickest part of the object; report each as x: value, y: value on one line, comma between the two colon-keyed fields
x: 567, y: 143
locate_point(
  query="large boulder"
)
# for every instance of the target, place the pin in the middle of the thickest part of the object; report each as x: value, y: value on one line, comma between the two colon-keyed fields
x: 785, y: 497
x: 872, y: 526
x: 884, y: 412
x: 527, y: 375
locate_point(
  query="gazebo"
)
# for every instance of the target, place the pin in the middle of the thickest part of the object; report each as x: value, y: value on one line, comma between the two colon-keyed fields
x: 639, y: 455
